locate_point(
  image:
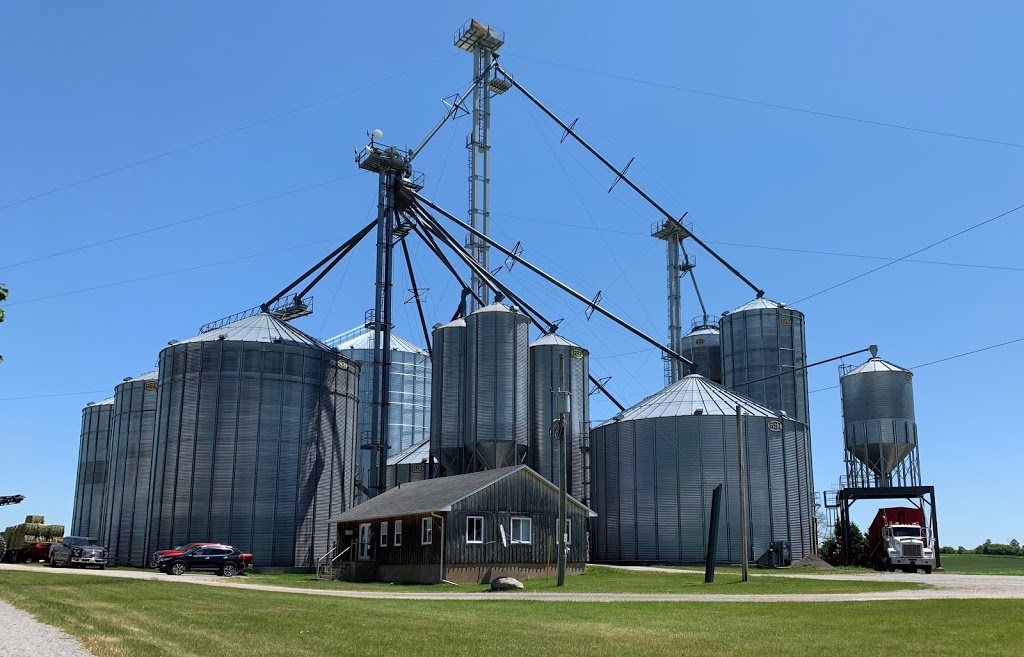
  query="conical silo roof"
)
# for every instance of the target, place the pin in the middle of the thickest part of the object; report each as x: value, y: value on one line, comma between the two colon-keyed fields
x: 759, y: 304
x: 263, y: 327
x: 362, y: 338
x: 691, y: 394
x: 876, y: 365
x: 108, y: 400
x: 553, y: 339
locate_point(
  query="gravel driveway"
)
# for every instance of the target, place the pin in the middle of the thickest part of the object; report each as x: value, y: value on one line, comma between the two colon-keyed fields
x: 946, y: 586
x: 21, y: 636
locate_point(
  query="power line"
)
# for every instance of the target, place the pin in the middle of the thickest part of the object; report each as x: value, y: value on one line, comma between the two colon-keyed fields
x: 770, y: 248
x: 58, y: 394
x: 179, y: 222
x: 947, y: 358
x: 207, y: 140
x: 168, y: 273
x: 788, y: 108
x: 893, y: 262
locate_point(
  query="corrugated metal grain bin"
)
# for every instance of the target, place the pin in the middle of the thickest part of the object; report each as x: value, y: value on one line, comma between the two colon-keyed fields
x: 133, y: 430
x: 702, y: 345
x: 656, y: 464
x: 256, y: 427
x: 409, y: 395
x: 763, y: 355
x: 879, y: 425
x: 412, y: 464
x: 497, y: 387
x: 448, y: 396
x: 90, y: 484
x: 546, y: 354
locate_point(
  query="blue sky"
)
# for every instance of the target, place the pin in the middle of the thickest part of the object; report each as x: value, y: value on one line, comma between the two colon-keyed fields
x: 90, y: 89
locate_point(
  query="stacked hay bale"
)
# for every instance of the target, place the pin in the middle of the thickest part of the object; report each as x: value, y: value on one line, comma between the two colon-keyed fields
x: 29, y: 533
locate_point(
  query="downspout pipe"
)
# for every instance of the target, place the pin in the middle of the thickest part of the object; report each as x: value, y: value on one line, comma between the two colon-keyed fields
x: 440, y: 575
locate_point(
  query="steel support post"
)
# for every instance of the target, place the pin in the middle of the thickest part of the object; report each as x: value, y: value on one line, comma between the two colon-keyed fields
x: 675, y: 309
x: 378, y: 446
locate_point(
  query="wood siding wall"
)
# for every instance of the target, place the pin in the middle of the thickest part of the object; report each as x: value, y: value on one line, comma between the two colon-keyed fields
x: 520, y: 494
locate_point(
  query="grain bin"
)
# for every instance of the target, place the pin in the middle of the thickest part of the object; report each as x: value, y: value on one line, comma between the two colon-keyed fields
x: 90, y: 484
x: 411, y: 464
x: 448, y: 396
x: 132, y: 433
x: 255, y: 442
x: 655, y: 465
x: 879, y: 425
x: 497, y: 387
x: 702, y: 346
x: 546, y: 353
x: 409, y: 395
x: 763, y: 353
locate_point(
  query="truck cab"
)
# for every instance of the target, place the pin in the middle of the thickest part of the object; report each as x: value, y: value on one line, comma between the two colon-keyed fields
x: 907, y: 548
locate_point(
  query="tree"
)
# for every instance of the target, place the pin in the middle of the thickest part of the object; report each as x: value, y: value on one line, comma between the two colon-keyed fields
x: 3, y: 297
x: 832, y: 547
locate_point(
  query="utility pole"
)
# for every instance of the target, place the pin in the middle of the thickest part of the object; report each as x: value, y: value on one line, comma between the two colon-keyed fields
x: 743, y: 494
x: 562, y: 405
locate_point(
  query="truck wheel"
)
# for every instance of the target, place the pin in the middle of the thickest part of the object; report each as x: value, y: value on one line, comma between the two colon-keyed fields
x: 53, y: 562
x: 927, y: 570
x: 888, y: 566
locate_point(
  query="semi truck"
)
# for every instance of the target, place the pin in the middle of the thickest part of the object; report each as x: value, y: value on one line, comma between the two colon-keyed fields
x: 898, y: 539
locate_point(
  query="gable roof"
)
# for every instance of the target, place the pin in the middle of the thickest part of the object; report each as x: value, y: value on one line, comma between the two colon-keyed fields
x: 436, y: 495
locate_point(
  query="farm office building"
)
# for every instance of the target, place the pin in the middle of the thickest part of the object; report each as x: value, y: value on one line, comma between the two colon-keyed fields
x: 464, y: 528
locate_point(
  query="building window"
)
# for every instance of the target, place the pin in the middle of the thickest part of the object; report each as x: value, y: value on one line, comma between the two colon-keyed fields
x: 558, y: 534
x: 398, y: 533
x: 427, y: 532
x: 522, y: 530
x: 474, y: 529
x: 384, y: 533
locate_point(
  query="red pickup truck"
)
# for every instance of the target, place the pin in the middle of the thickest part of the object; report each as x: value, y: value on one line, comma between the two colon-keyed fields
x: 182, y: 548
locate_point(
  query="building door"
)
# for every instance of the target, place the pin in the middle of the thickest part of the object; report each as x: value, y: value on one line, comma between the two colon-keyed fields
x: 364, y: 540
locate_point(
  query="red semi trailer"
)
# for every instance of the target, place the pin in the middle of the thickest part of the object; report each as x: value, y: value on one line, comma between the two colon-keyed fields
x: 898, y: 538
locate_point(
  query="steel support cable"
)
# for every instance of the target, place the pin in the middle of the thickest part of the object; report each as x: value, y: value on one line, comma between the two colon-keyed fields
x: 562, y: 286
x: 909, y: 255
x: 807, y: 367
x: 208, y: 140
x: 428, y: 239
x: 430, y: 224
x: 179, y: 222
x: 586, y: 210
x: 416, y: 295
x: 788, y: 108
x: 622, y: 176
x: 337, y: 254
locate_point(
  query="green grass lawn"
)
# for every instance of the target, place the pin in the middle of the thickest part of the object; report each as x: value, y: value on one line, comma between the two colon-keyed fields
x: 128, y: 618
x: 983, y: 564
x: 610, y: 580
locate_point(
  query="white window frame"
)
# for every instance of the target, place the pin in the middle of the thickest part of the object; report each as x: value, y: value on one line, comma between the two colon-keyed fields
x: 398, y: 534
x: 512, y: 531
x: 427, y: 531
x: 469, y: 522
x: 558, y: 534
x: 383, y: 533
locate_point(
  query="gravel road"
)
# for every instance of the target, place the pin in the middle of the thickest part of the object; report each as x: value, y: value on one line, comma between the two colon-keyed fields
x: 21, y: 635
x: 945, y: 586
